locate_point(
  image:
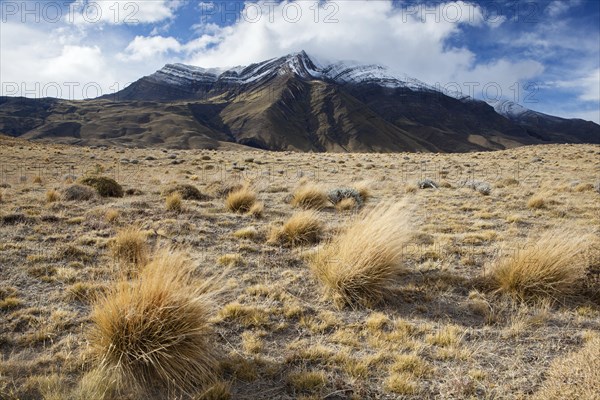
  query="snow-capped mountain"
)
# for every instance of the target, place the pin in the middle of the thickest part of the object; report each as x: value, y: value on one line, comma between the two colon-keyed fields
x: 298, y: 64
x: 294, y: 102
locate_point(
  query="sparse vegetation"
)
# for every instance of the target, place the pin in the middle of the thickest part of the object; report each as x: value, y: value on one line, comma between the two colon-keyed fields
x: 361, y: 263
x: 446, y: 329
x: 575, y: 376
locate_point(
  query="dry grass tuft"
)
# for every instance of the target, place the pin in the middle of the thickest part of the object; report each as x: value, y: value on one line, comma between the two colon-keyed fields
x: 310, y: 196
x: 536, y: 201
x: 154, y: 331
x: 360, y: 263
x: 111, y: 215
x: 241, y: 200
x: 346, y: 205
x: 551, y: 266
x: 52, y: 196
x: 576, y: 376
x: 129, y: 246
x: 173, y: 202
x: 304, y: 227
x: 257, y: 210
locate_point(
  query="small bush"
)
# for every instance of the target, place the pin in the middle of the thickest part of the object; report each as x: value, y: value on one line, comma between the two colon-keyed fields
x: 482, y: 187
x: 52, y: 196
x: 129, y: 246
x: 309, y: 196
x: 427, y: 184
x: 173, y: 202
x: 154, y: 331
x: 550, y: 266
x: 78, y: 192
x: 187, y: 192
x: 304, y: 227
x: 336, y: 196
x: 106, y: 187
x: 240, y: 201
x: 360, y: 263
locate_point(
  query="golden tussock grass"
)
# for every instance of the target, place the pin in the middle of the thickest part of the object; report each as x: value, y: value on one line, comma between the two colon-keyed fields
x: 304, y: 227
x: 552, y: 265
x: 536, y: 201
x: 155, y: 329
x: 257, y: 209
x: 361, y: 262
x: 309, y: 196
x: 576, y: 376
x: 241, y: 200
x: 52, y: 196
x: 129, y: 246
x: 346, y: 205
x: 111, y: 215
x: 174, y: 202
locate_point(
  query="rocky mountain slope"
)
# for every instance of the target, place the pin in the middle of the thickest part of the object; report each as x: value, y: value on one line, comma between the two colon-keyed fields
x: 288, y: 103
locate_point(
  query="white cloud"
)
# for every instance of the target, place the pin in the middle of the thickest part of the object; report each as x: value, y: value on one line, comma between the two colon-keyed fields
x: 409, y: 40
x: 587, y: 85
x: 144, y: 48
x: 559, y: 7
x: 116, y: 12
x: 412, y: 40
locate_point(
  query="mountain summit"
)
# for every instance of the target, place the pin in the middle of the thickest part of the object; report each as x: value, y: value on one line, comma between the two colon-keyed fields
x: 289, y: 103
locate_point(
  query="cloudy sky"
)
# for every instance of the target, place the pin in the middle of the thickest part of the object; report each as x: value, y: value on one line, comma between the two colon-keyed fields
x: 544, y: 55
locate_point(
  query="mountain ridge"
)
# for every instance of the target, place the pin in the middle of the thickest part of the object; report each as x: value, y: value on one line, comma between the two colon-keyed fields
x: 289, y: 103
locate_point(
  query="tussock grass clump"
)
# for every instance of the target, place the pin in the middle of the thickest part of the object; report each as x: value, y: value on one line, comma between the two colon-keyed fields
x: 347, y: 205
x: 241, y: 200
x: 536, y: 201
x: 106, y: 187
x: 550, y: 266
x: 129, y: 246
x: 257, y: 210
x: 309, y: 196
x: 304, y: 227
x: 576, y: 376
x: 187, y: 192
x: 52, y: 196
x: 153, y: 331
x: 222, y: 188
x: 173, y: 202
x: 78, y: 192
x: 111, y: 215
x: 359, y: 264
